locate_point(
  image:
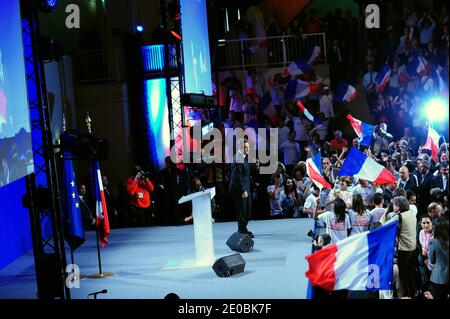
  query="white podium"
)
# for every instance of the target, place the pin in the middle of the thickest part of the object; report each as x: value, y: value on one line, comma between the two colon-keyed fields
x: 203, y: 236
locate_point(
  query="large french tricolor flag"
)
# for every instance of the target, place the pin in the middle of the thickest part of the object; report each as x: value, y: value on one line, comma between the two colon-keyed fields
x: 382, y: 77
x: 316, y: 51
x: 101, y: 212
x: 297, y: 89
x: 432, y: 143
x: 308, y: 115
x: 360, y: 165
x: 345, y: 92
x: 314, y: 171
x: 298, y: 67
x: 360, y: 262
x: 266, y: 106
x: 363, y: 130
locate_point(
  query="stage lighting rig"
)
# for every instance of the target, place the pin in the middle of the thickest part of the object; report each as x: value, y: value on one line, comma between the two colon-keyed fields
x: 198, y: 100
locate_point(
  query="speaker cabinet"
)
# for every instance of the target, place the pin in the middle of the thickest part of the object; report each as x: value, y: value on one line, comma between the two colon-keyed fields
x: 240, y: 242
x: 229, y: 265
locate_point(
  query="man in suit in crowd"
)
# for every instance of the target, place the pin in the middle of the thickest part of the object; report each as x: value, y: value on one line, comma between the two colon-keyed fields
x: 425, y: 178
x: 407, y: 181
x: 240, y: 186
x: 441, y: 180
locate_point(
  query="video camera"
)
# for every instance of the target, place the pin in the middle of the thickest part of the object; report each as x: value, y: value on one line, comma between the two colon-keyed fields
x: 312, y: 235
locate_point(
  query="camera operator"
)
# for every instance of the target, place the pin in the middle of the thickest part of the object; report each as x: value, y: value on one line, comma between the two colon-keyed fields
x: 321, y: 241
x: 140, y: 187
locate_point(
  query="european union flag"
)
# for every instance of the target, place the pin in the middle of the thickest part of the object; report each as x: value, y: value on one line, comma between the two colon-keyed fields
x: 75, y: 228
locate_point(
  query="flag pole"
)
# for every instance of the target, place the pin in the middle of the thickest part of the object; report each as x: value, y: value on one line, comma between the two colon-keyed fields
x: 100, y: 273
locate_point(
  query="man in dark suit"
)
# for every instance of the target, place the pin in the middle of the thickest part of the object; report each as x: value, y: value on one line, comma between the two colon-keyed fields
x: 441, y: 180
x: 407, y: 181
x: 240, y: 186
x: 336, y: 63
x: 425, y: 178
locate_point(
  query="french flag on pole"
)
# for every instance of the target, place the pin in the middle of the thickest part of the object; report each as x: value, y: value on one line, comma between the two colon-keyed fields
x: 316, y: 51
x: 298, y: 89
x: 101, y: 212
x: 307, y: 114
x: 314, y: 171
x: 360, y: 165
x: 363, y: 262
x: 266, y: 106
x: 345, y: 92
x: 382, y: 77
x: 363, y: 130
x: 298, y: 67
x: 432, y: 143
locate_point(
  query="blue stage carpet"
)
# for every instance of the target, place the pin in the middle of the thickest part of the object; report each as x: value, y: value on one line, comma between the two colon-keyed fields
x: 137, y: 257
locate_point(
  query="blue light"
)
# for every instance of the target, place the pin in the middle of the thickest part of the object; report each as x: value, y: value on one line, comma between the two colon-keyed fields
x: 158, y: 120
x: 139, y: 28
x: 51, y: 3
x: 436, y: 110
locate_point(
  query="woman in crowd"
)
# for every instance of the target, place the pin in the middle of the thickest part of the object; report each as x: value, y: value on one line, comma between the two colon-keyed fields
x: 438, y: 256
x: 290, y: 200
x: 336, y: 222
x: 359, y: 215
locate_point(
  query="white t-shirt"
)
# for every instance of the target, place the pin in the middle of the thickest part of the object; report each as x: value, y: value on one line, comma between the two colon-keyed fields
x: 365, y: 192
x: 301, y: 128
x: 336, y: 230
x: 376, y: 213
x: 291, y: 151
x: 275, y: 203
x: 310, y: 203
x: 360, y: 223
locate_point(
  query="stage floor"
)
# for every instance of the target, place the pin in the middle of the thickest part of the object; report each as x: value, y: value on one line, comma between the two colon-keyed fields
x: 138, y: 257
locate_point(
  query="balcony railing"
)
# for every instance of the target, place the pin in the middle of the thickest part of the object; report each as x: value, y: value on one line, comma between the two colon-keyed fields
x: 99, y: 66
x: 266, y: 52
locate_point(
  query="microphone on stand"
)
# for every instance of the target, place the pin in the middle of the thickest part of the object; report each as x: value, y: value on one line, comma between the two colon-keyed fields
x: 104, y: 291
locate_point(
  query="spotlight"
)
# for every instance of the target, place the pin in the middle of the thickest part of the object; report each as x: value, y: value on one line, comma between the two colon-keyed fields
x: 139, y: 28
x: 47, y: 6
x: 436, y: 110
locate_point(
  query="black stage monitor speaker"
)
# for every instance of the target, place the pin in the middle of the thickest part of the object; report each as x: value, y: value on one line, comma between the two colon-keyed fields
x: 229, y: 265
x: 240, y: 242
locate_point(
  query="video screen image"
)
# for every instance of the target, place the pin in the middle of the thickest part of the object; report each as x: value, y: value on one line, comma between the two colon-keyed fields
x: 196, y: 58
x: 16, y: 156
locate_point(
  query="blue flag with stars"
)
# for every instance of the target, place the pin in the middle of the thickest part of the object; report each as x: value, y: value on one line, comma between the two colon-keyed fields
x: 75, y: 228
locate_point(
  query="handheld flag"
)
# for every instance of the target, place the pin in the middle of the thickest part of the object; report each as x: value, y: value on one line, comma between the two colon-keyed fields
x: 298, y: 89
x: 298, y: 67
x: 432, y: 143
x: 101, y: 212
x: 363, y: 130
x: 314, y: 171
x: 360, y: 262
x: 360, y: 165
x: 382, y: 77
x: 316, y: 51
x: 345, y: 92
x: 307, y: 114
x: 266, y: 106
x: 75, y: 228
